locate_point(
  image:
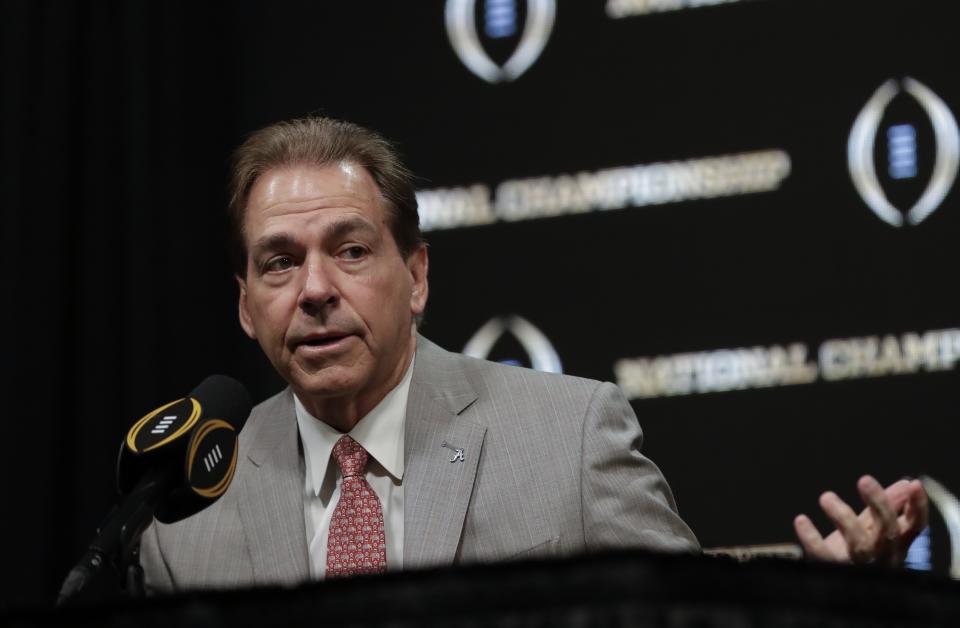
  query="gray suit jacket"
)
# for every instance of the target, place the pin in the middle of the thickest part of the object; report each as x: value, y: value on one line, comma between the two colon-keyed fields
x: 551, y: 467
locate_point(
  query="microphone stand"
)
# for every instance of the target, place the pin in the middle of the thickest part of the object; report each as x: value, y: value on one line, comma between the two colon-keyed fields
x: 117, y: 543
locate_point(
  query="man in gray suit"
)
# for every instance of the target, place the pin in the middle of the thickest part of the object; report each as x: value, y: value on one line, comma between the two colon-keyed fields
x: 386, y: 451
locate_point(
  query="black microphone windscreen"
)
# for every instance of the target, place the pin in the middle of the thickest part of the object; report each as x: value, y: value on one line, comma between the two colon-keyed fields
x: 224, y: 398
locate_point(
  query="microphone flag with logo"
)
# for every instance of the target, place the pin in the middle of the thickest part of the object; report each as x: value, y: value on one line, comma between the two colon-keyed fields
x: 173, y: 463
x: 192, y: 442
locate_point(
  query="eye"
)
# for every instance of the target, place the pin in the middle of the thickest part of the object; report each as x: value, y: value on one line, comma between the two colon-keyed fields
x: 278, y: 264
x: 354, y: 252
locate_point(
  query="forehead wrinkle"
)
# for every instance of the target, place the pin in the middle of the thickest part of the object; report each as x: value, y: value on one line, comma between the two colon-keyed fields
x: 301, y: 206
x: 269, y: 203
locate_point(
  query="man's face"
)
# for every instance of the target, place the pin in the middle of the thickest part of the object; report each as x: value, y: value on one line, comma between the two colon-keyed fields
x: 327, y: 294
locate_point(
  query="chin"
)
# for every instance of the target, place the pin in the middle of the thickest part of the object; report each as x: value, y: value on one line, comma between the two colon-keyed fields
x: 327, y: 384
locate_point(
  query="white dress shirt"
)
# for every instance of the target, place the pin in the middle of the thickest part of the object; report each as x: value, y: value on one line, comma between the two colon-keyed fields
x: 381, y: 433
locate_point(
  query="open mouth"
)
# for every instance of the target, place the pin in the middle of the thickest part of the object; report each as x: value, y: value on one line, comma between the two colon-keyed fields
x: 324, y: 341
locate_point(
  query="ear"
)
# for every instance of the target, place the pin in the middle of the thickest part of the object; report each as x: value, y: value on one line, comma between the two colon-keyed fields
x: 418, y: 264
x: 245, y: 320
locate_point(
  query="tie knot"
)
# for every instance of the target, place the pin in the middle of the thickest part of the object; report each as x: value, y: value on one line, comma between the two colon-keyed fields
x: 350, y: 456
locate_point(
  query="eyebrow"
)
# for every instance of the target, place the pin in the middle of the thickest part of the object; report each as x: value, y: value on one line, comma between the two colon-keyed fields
x: 345, y: 226
x: 271, y: 242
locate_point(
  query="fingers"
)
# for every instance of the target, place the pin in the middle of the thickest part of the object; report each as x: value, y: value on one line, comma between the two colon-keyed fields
x: 859, y: 542
x: 899, y: 492
x: 916, y: 511
x: 879, y: 505
x: 813, y: 544
x: 881, y: 522
x: 882, y: 532
x: 920, y: 505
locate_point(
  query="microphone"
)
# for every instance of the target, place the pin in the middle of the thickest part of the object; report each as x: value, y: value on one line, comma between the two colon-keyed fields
x: 188, y: 444
x: 173, y: 463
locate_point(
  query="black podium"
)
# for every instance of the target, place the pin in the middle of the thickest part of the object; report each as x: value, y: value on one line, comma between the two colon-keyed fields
x: 616, y: 589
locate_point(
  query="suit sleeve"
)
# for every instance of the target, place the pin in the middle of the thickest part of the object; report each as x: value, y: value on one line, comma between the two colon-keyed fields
x: 626, y: 500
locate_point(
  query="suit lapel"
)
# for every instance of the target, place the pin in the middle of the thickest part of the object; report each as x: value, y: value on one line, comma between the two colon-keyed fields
x: 436, y: 490
x: 271, y: 498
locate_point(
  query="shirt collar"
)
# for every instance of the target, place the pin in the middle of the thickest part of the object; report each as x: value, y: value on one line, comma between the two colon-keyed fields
x: 380, y: 432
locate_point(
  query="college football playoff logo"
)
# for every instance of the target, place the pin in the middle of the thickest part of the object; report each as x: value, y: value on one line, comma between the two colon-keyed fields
x: 493, y: 341
x: 897, y: 194
x: 512, y: 36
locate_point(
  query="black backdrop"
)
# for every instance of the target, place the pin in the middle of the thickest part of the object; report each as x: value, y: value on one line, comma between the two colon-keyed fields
x: 117, y: 119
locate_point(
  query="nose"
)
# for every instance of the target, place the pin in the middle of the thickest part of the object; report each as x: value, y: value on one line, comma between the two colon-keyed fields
x: 318, y: 290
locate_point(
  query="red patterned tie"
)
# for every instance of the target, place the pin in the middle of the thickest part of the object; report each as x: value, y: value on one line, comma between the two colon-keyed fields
x: 355, y: 544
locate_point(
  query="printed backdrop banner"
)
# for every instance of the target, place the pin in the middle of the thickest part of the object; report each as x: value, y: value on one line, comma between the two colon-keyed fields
x: 744, y: 213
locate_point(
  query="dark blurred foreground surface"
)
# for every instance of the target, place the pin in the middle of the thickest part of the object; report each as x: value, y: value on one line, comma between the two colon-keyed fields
x: 623, y: 589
